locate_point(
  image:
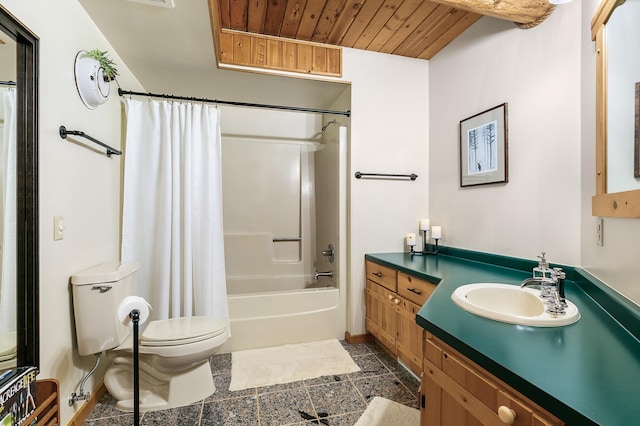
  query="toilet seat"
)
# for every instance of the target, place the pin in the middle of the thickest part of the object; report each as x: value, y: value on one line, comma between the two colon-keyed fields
x: 180, y: 331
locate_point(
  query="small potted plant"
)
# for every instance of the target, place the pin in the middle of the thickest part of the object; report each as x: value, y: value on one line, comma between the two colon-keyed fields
x: 94, y: 71
x: 109, y: 67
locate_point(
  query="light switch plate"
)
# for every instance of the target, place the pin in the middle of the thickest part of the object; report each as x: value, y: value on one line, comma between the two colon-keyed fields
x: 58, y: 228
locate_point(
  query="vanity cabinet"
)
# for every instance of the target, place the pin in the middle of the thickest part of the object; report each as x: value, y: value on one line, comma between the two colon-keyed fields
x: 392, y: 302
x: 456, y: 391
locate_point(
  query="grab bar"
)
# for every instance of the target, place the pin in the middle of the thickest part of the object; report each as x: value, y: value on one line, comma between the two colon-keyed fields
x: 281, y: 240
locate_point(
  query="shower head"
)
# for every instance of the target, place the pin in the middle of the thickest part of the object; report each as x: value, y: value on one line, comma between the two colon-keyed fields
x: 318, y: 134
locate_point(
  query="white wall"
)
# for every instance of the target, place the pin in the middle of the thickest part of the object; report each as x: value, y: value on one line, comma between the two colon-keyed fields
x: 7, y: 58
x: 389, y: 134
x: 537, y: 72
x: 75, y: 182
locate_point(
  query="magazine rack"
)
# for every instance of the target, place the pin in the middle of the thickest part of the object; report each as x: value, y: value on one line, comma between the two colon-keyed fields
x: 47, y: 411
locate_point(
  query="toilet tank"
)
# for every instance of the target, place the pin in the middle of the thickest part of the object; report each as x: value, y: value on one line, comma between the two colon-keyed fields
x: 97, y: 292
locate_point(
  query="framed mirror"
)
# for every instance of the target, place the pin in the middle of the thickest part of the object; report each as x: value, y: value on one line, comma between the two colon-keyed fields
x: 617, y: 71
x: 20, y: 190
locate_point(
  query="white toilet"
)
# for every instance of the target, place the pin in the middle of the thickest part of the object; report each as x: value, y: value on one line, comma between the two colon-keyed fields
x: 174, y: 354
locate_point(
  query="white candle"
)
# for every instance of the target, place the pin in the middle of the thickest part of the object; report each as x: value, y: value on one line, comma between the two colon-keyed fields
x: 424, y: 224
x: 411, y: 239
x: 436, y: 232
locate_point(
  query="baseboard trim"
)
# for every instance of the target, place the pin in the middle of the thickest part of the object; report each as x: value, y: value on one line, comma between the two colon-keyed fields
x: 83, y: 412
x: 358, y: 338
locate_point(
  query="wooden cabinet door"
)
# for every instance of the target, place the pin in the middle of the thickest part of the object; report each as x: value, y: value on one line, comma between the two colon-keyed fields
x: 409, y: 336
x: 381, y: 316
x: 458, y: 392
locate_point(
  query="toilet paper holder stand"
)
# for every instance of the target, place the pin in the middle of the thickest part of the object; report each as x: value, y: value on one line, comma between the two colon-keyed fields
x: 82, y: 396
x: 135, y: 318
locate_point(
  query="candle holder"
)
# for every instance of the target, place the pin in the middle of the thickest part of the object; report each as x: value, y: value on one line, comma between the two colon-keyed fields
x: 425, y: 251
x: 435, y: 251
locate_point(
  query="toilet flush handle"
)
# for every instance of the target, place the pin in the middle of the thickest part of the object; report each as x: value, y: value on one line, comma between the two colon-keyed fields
x: 103, y: 288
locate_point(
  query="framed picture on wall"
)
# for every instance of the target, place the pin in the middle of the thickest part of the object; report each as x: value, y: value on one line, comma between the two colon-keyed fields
x: 483, y: 148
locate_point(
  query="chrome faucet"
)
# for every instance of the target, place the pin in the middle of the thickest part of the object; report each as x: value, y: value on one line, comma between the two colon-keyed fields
x: 551, y: 282
x: 537, y: 281
x: 322, y: 274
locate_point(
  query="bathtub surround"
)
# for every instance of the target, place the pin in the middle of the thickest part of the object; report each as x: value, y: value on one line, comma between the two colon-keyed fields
x: 288, y: 175
x: 289, y: 363
x: 172, y: 211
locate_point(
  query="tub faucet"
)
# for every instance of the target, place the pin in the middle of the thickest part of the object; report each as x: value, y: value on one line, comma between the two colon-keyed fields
x: 322, y: 274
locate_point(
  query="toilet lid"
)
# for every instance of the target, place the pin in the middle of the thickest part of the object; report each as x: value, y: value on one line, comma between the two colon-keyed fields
x: 8, y: 347
x: 179, y: 331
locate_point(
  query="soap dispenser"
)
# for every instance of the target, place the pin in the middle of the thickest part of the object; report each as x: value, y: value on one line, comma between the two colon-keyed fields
x: 543, y: 273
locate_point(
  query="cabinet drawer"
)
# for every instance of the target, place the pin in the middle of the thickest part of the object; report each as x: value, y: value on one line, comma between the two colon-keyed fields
x: 382, y: 275
x: 414, y: 289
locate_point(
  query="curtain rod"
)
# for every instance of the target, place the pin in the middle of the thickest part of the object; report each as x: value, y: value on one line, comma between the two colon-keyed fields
x: 243, y: 104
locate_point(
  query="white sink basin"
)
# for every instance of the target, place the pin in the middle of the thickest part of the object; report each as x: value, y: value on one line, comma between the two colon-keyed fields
x: 511, y: 304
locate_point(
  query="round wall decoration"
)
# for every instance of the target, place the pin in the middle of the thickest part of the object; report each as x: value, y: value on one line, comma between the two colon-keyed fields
x: 92, y: 85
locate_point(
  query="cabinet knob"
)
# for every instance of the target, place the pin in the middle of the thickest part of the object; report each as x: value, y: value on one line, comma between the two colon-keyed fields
x: 397, y: 301
x: 506, y: 414
x: 390, y: 297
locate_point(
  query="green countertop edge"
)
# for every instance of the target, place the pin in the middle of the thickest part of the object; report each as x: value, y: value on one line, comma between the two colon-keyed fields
x: 622, y: 309
x: 619, y: 308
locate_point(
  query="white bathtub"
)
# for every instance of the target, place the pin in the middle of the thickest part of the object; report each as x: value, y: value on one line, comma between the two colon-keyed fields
x: 285, y: 312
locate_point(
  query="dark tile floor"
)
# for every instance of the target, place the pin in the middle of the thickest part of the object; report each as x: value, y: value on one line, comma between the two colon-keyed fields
x: 329, y: 400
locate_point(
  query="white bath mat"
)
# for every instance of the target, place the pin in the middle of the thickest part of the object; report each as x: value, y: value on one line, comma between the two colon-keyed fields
x: 383, y: 412
x: 289, y: 363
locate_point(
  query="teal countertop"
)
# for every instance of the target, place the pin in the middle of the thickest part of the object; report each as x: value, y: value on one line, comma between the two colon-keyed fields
x: 584, y: 373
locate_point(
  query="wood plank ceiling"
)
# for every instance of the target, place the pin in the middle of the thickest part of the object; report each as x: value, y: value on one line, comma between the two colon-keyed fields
x: 413, y: 28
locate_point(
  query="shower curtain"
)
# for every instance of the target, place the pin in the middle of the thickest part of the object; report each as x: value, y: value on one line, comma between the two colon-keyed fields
x: 172, y: 207
x: 8, y: 290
